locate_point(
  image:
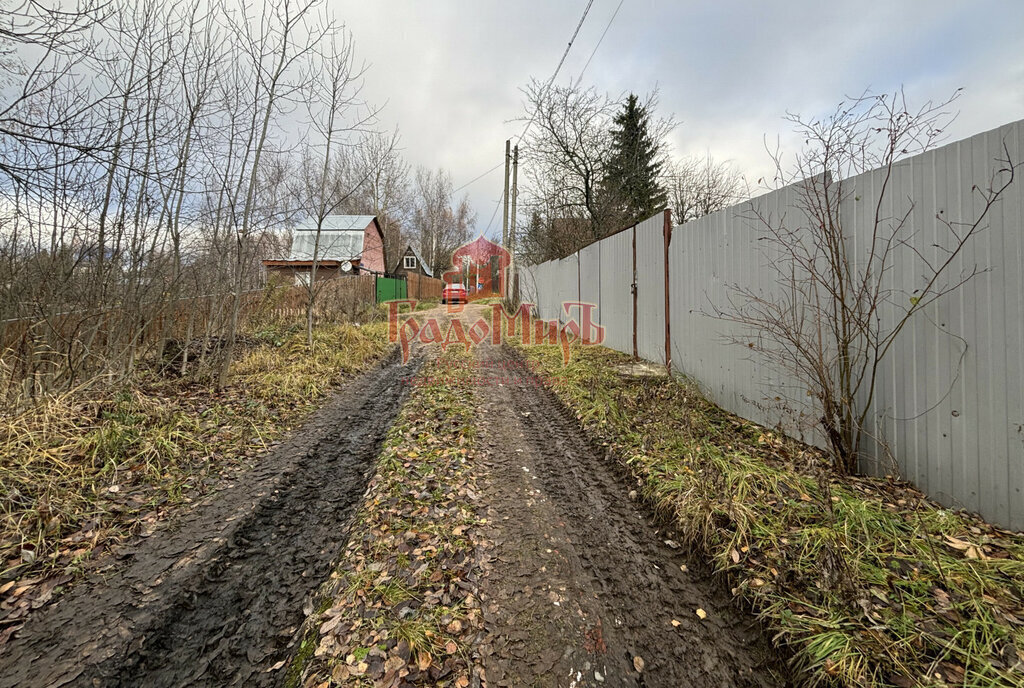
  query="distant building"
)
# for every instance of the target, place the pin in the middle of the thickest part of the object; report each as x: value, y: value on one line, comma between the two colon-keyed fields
x: 349, y: 245
x: 480, y: 265
x: 411, y: 262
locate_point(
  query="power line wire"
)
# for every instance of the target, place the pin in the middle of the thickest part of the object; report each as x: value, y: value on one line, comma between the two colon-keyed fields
x: 476, y: 178
x: 565, y: 54
x: 575, y: 33
x: 599, y: 41
x: 495, y: 213
x: 561, y: 62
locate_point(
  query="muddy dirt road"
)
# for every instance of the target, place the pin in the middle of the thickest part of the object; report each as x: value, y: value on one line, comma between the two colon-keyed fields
x: 214, y: 598
x: 581, y: 588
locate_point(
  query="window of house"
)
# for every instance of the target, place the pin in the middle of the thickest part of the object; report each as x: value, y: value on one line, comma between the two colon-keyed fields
x: 410, y: 262
x: 301, y: 279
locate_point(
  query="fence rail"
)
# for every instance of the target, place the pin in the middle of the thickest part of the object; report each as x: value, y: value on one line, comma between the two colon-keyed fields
x: 949, y: 399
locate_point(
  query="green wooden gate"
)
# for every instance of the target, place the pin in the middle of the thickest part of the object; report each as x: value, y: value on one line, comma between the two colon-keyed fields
x: 390, y: 288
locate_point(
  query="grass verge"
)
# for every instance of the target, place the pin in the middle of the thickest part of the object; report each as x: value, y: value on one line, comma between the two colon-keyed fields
x: 400, y: 607
x: 867, y: 582
x: 421, y: 305
x: 78, y: 474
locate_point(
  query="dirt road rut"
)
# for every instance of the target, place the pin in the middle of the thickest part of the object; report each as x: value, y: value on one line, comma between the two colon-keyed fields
x: 215, y: 598
x: 581, y: 588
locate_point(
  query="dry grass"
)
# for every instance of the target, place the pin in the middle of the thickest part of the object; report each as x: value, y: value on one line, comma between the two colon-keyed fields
x: 867, y: 582
x: 79, y: 472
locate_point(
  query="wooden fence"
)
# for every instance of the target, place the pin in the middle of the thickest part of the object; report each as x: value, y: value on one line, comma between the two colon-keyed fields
x: 424, y: 288
x: 335, y: 299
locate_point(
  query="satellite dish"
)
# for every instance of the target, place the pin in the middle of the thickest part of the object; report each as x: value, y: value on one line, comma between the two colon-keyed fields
x: 346, y: 266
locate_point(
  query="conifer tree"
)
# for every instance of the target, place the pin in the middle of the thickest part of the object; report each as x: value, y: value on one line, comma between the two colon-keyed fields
x: 634, y: 166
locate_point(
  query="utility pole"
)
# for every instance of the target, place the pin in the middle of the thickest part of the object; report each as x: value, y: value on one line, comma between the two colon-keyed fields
x: 504, y: 217
x: 512, y: 225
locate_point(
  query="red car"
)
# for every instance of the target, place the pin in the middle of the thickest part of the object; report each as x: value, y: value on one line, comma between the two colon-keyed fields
x: 454, y: 293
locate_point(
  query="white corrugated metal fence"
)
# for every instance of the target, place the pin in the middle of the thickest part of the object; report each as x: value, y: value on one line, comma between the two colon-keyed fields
x: 948, y: 405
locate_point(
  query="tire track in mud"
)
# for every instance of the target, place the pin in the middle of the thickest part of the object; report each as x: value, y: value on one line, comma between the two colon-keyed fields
x: 581, y: 581
x: 215, y: 598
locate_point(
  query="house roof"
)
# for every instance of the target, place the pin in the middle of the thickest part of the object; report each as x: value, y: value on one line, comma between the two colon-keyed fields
x: 423, y: 264
x: 341, y: 238
x: 337, y: 223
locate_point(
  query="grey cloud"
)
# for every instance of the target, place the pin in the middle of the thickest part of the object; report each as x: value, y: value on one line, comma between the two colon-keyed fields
x: 450, y: 71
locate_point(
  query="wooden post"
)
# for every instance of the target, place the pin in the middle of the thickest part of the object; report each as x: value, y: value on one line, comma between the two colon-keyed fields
x: 512, y: 224
x: 504, y: 214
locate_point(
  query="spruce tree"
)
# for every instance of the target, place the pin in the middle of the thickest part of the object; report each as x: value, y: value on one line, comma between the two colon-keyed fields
x: 634, y: 166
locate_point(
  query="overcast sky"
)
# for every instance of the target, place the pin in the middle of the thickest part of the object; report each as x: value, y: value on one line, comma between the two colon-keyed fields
x: 450, y: 71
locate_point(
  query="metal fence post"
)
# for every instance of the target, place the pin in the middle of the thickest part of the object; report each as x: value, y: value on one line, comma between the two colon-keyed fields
x: 632, y: 287
x: 668, y: 334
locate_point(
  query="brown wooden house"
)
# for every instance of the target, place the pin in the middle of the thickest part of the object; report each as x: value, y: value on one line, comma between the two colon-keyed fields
x: 410, y: 262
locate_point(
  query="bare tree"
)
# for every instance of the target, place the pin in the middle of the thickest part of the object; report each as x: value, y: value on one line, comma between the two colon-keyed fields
x: 148, y: 164
x: 59, y: 38
x: 274, y: 45
x: 700, y: 186
x: 386, y: 189
x: 566, y: 153
x: 824, y: 322
x: 441, y: 223
x: 333, y: 95
x: 541, y: 237
x: 568, y: 195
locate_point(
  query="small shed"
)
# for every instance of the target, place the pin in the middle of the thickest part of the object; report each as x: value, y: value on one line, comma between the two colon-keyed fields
x: 410, y: 262
x: 348, y: 245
